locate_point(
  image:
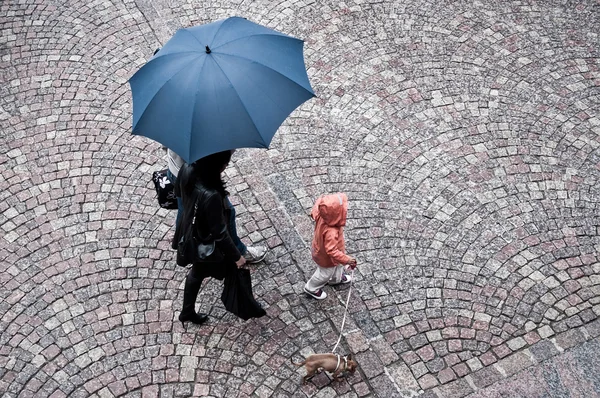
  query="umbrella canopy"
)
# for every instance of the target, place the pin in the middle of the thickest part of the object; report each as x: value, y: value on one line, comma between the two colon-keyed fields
x: 228, y: 84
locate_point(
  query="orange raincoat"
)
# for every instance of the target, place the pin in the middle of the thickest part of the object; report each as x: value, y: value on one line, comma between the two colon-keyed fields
x: 329, y: 213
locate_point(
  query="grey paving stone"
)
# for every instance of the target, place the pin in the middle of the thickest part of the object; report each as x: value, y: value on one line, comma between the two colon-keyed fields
x: 465, y: 135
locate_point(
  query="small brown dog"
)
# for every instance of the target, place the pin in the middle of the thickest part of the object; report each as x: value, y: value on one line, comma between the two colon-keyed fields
x: 332, y: 363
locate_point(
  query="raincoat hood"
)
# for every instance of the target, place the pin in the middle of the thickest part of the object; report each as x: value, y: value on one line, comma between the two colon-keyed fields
x: 332, y: 209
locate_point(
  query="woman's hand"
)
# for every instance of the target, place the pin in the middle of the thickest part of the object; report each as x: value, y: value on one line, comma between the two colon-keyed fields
x: 241, y: 262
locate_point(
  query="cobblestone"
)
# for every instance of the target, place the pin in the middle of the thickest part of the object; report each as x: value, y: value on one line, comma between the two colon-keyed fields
x: 465, y: 135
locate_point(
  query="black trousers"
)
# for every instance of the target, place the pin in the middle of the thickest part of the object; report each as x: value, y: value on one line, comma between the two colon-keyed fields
x: 194, y: 278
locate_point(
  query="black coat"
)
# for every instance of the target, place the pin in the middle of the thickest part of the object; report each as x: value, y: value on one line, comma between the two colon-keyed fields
x: 212, y: 218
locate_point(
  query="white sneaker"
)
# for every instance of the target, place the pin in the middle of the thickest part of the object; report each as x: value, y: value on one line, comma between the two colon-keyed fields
x: 319, y: 294
x: 345, y: 279
x: 255, y: 254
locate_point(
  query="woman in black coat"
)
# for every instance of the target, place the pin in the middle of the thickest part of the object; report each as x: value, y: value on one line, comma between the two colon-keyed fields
x: 201, y: 182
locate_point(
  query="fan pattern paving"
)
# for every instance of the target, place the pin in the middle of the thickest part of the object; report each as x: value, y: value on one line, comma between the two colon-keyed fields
x: 466, y: 135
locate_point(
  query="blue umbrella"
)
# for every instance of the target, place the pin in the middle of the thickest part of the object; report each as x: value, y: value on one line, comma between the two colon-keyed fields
x: 228, y: 84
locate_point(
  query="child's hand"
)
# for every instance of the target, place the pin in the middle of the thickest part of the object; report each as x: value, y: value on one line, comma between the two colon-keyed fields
x: 352, y: 263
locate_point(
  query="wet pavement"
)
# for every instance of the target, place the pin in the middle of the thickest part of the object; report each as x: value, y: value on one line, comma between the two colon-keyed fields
x: 466, y: 135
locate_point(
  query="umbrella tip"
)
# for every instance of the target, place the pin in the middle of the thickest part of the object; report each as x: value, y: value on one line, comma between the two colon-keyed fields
x: 207, y: 50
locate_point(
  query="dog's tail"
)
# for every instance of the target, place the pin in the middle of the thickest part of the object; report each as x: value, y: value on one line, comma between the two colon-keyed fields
x: 297, y: 364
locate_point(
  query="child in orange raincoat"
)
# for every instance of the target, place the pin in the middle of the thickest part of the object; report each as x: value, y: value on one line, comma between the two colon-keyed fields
x: 328, y: 248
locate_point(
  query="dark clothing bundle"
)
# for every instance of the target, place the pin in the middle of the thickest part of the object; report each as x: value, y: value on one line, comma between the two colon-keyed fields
x: 237, y: 295
x: 206, y: 216
x: 206, y: 207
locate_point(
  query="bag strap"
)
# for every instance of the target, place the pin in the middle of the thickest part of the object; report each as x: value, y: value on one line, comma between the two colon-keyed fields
x: 195, y: 210
x: 194, y: 229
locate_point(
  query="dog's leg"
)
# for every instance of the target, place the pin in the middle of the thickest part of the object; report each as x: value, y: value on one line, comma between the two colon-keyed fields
x: 297, y: 364
x: 310, y: 373
x: 308, y: 377
x: 336, y: 376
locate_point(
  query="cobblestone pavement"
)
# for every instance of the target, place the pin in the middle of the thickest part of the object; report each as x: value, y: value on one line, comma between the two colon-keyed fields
x: 466, y: 135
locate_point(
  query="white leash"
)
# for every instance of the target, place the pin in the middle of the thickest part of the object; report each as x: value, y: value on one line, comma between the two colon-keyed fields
x: 345, y: 312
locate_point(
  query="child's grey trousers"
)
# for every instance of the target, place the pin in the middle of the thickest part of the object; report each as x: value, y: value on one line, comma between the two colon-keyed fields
x: 323, y: 275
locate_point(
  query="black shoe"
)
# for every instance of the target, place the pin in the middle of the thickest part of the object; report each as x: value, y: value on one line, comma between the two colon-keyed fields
x: 196, y: 318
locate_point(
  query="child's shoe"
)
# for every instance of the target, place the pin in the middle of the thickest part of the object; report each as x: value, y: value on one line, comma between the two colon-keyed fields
x: 319, y: 294
x: 345, y: 279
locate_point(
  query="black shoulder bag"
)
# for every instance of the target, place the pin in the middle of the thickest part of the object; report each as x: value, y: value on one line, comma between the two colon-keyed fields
x: 193, y: 249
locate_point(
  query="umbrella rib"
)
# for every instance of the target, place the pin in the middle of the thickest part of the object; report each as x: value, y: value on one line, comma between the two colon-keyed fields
x: 214, y: 35
x: 258, y: 34
x: 276, y: 71
x: 199, y: 83
x: 238, y: 94
x: 233, y: 86
x: 162, y: 87
x: 195, y: 38
x: 174, y: 53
